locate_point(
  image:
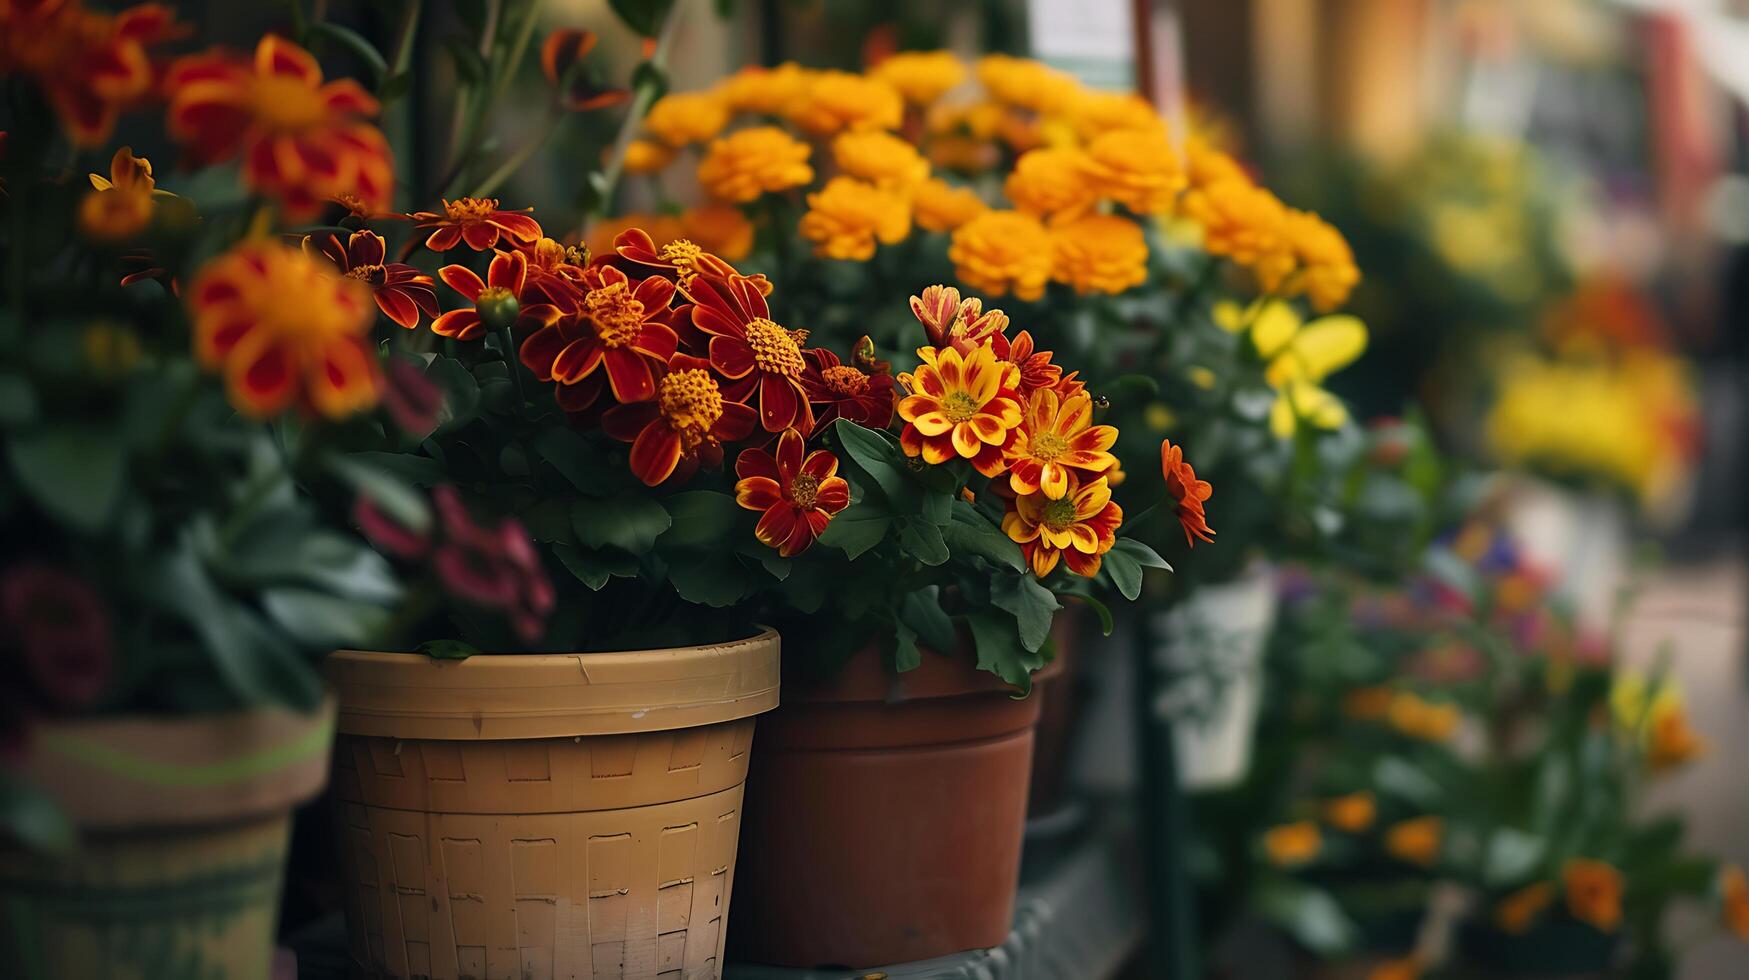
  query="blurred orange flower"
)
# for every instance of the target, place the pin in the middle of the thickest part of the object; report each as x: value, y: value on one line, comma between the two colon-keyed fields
x: 1594, y: 890
x: 89, y: 65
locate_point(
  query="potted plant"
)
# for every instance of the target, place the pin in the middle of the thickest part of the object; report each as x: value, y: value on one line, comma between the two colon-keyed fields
x: 175, y: 374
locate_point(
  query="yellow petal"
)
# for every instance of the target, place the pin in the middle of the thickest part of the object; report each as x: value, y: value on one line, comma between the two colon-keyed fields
x: 1272, y: 326
x: 1328, y: 344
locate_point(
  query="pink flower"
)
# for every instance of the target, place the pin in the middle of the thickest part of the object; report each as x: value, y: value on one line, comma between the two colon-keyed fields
x: 496, y: 567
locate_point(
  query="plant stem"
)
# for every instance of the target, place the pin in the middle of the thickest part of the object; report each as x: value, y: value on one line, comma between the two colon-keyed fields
x: 521, y: 157
x: 642, y: 99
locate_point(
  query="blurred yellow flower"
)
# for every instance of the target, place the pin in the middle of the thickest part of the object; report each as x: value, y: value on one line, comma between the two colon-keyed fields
x: 683, y: 118
x: 1416, y: 840
x: 940, y: 206
x: 1292, y: 844
x: 1050, y: 182
x: 921, y: 76
x: 1245, y: 223
x: 880, y: 158
x: 1594, y: 890
x: 847, y: 216
x: 1657, y: 717
x: 834, y: 101
x: 720, y: 229
x: 647, y: 156
x: 1205, y: 164
x: 1417, y: 718
x: 767, y: 91
x: 1002, y: 252
x: 1352, y: 813
x: 750, y: 162
x: 1027, y: 84
x: 1298, y: 357
x: 1518, y: 911
x: 1327, y: 273
x: 1137, y: 168
x: 120, y: 206
x: 1368, y: 703
x: 1096, y: 112
x: 1099, y: 253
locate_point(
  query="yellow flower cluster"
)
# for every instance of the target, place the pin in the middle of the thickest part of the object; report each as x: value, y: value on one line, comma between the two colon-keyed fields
x: 847, y: 216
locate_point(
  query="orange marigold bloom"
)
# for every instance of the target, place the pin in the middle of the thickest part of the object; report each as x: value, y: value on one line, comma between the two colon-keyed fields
x: 847, y: 390
x: 1057, y: 441
x: 479, y: 222
x: 648, y: 156
x: 90, y: 66
x: 1001, y: 252
x: 1416, y: 840
x: 401, y: 291
x: 743, y: 165
x: 1734, y: 900
x: 720, y: 229
x: 1026, y: 84
x: 1594, y: 890
x: 847, y: 216
x: 1517, y: 912
x: 755, y: 355
x: 1422, y: 719
x: 1245, y: 223
x: 682, y: 118
x: 1036, y: 370
x: 1051, y: 182
x: 834, y: 101
x: 624, y: 327
x: 921, y: 77
x: 1137, y: 168
x: 301, y: 141
x: 939, y: 206
x: 960, y: 405
x: 1290, y: 845
x: 1327, y: 272
x: 1353, y: 813
x: 683, y: 427
x: 1099, y: 253
x: 1670, y: 740
x: 504, y: 295
x: 119, y: 206
x: 796, y: 493
x: 1079, y: 527
x: 880, y: 158
x: 284, y: 329
x: 1187, y: 492
x: 1098, y: 111
x: 768, y: 91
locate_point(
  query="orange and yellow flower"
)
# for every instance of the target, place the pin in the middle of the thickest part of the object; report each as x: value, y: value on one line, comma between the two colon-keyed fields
x: 960, y: 405
x: 1023, y: 83
x: 880, y: 158
x: 1051, y: 183
x: 1078, y: 527
x: 120, y: 206
x: 1245, y: 223
x: 1594, y: 892
x: 683, y: 427
x: 301, y: 140
x: 479, y: 222
x: 1327, y: 272
x: 767, y: 91
x: 796, y: 494
x: 1353, y: 813
x: 747, y: 163
x: 1187, y: 492
x: 648, y: 156
x: 720, y: 229
x: 847, y: 217
x: 835, y: 101
x: 1002, y: 252
x: 502, y: 301
x: 401, y: 291
x: 1427, y: 720
x: 682, y: 118
x: 755, y: 355
x: 848, y: 391
x: 1734, y: 900
x: 921, y: 77
x: 1137, y: 168
x: 939, y: 206
x: 1416, y: 840
x: 1056, y: 442
x: 90, y: 66
x: 284, y: 330
x: 1291, y: 845
x: 1099, y: 253
x: 1517, y: 912
x: 622, y: 327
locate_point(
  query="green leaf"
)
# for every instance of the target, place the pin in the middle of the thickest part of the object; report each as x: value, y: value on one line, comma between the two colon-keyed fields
x: 594, y: 568
x: 1512, y: 856
x: 877, y: 454
x: 922, y: 541
x: 999, y: 650
x: 649, y: 80
x: 577, y: 460
x: 410, y: 468
x: 395, y: 86
x: 448, y: 650
x: 1032, y: 604
x: 469, y: 66
x: 17, y: 399
x: 905, y: 655
x: 277, y: 548
x: 856, y: 529
x: 715, y: 580
x: 629, y: 522
x: 73, y: 473
x: 1125, y: 572
x: 29, y: 816
x: 1100, y: 609
x: 385, y: 488
x: 354, y: 42
x: 643, y: 16
x: 1308, y: 914
x: 776, y: 564
x: 319, y: 620
x: 921, y: 611
x: 971, y: 533
x: 549, y: 521
x: 461, y: 393
x: 938, y: 507
x: 1398, y: 777
x: 700, y: 519
x: 1145, y: 556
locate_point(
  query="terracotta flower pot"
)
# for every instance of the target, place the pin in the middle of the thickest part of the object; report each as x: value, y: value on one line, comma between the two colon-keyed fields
x: 183, y: 828
x: 544, y: 815
x: 885, y: 817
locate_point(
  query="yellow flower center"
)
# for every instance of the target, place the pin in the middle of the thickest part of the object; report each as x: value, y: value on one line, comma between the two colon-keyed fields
x: 469, y: 209
x: 960, y: 406
x: 1058, y: 514
x: 282, y: 103
x: 844, y: 381
x: 803, y: 490
x: 680, y: 253
x: 775, y: 350
x: 1047, y: 446
x: 617, y: 314
x: 547, y: 254
x: 366, y: 273
x: 691, y: 403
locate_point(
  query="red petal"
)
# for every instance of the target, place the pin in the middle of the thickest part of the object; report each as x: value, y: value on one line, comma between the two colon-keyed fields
x: 463, y: 280
x: 630, y: 376
x: 655, y: 453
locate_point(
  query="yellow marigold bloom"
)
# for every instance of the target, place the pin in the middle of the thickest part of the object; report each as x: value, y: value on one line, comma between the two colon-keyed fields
x: 960, y: 405
x: 1205, y: 164
x: 1401, y: 968
x: 768, y: 91
x: 662, y: 228
x: 1001, y: 252
x: 921, y: 76
x: 1417, y: 840
x: 1057, y: 438
x: 835, y: 101
x: 1097, y: 111
x: 939, y: 206
x: 119, y: 206
x: 1671, y: 742
x: 1327, y: 273
x: 1353, y: 813
x: 1076, y: 529
x: 1368, y: 703
x: 1594, y: 890
x: 683, y: 118
x: 962, y: 154
x: 720, y: 229
x: 1245, y: 223
x: 1099, y: 253
x: 1734, y: 900
x: 745, y: 164
x: 880, y: 158
x: 1292, y: 844
x: 1137, y: 168
x: 1416, y: 718
x: 1027, y: 84
x: 1050, y: 182
x: 978, y: 120
x: 1299, y: 356
x: 1518, y: 911
x: 847, y: 216
x: 648, y: 156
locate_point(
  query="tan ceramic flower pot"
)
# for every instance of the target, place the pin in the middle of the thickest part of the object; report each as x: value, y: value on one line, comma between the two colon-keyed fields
x: 183, y: 826
x: 545, y: 815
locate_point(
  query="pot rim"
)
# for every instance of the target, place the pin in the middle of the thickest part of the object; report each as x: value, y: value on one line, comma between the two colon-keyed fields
x: 554, y: 695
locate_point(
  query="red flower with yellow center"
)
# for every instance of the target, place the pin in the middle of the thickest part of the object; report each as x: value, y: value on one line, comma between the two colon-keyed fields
x: 960, y: 405
x: 479, y: 222
x: 402, y: 292
x: 504, y: 299
x: 301, y: 141
x: 683, y: 427
x: 1187, y: 492
x: 846, y: 391
x: 754, y: 354
x: 798, y: 493
x: 283, y: 329
x: 682, y: 258
x: 1057, y: 439
x: 1078, y: 527
x: 623, y: 325
x: 90, y: 66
